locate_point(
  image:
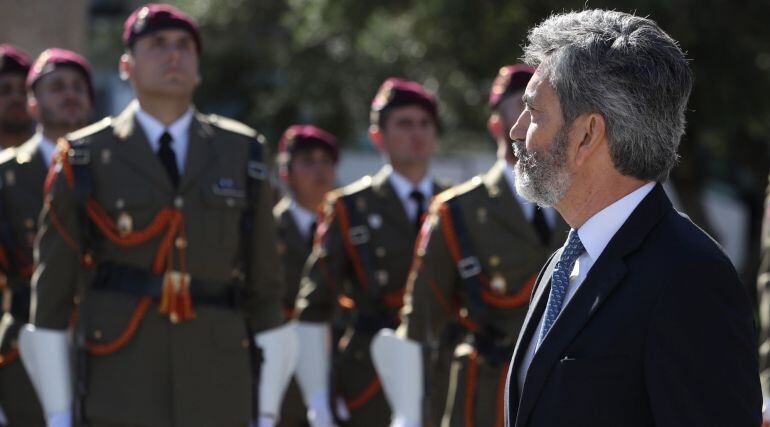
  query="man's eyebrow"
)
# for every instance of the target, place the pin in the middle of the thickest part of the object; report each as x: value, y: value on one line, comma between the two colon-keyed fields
x: 527, y: 99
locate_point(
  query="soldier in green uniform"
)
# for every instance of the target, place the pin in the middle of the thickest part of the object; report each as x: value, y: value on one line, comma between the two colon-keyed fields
x: 159, y: 222
x: 307, y: 157
x: 16, y: 125
x: 476, y: 260
x: 61, y: 99
x: 362, y: 257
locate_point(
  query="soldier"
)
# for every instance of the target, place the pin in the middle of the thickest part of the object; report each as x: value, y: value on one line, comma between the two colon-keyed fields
x: 476, y: 260
x: 15, y: 123
x: 159, y: 222
x: 61, y: 98
x: 307, y: 156
x: 361, y: 257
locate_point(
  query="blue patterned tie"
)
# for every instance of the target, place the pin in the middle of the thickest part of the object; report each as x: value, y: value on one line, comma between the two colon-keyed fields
x: 560, y: 282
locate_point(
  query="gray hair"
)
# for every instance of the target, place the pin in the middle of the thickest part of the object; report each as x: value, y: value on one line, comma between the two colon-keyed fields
x: 628, y: 70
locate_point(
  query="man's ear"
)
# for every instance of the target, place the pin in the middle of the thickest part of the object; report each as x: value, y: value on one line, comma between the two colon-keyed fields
x: 125, y: 66
x: 375, y: 134
x: 590, y: 129
x: 32, y: 106
x: 495, y: 126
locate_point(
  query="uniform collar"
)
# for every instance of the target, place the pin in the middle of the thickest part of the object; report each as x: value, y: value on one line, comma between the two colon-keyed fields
x: 154, y: 128
x: 404, y: 187
x: 303, y: 217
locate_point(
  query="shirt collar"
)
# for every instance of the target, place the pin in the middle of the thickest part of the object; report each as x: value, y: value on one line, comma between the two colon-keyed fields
x: 404, y: 187
x: 154, y: 128
x: 46, y: 148
x: 597, y: 232
x: 302, y: 216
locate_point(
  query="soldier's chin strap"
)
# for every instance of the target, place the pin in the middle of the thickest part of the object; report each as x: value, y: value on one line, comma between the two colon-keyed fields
x: 313, y: 371
x: 280, y: 347
x: 46, y: 357
x: 399, y: 363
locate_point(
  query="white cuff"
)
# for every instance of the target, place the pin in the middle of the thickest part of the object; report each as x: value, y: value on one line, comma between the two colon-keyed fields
x: 766, y: 409
x: 279, y: 354
x: 46, y: 357
x: 60, y: 419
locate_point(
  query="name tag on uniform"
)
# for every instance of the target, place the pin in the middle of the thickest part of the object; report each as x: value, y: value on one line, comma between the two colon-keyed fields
x: 227, y: 187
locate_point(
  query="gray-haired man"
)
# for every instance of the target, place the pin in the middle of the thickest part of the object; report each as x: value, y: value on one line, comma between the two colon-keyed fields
x: 640, y: 318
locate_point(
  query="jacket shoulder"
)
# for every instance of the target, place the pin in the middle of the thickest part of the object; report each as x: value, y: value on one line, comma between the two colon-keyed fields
x: 81, y: 136
x: 234, y: 127
x: 461, y: 193
x: 360, y: 187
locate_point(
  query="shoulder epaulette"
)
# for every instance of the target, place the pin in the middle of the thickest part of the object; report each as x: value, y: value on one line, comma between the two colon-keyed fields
x: 234, y: 126
x: 90, y: 129
x: 281, y: 207
x: 459, y: 190
x: 358, y: 186
x: 7, y: 154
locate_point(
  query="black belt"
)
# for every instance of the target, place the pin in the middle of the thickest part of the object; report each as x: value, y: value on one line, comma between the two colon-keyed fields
x: 142, y: 283
x: 20, y: 299
x: 370, y: 325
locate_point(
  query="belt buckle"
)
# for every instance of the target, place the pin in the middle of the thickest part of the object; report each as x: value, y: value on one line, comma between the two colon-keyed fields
x: 469, y: 267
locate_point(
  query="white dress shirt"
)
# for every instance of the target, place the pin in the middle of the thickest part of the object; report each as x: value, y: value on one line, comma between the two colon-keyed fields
x: 303, y: 217
x: 47, y: 149
x: 595, y: 234
x: 404, y: 188
x: 527, y: 207
x: 179, y: 131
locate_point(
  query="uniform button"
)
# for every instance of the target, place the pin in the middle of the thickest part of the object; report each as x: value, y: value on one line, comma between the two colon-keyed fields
x: 230, y: 202
x: 29, y: 223
x: 245, y: 343
x: 120, y: 204
x: 380, y: 252
x: 494, y: 261
x: 98, y: 334
x: 178, y: 202
x: 180, y: 243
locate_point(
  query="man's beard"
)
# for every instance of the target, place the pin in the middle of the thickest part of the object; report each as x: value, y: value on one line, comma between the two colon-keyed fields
x: 49, y: 119
x: 542, y: 176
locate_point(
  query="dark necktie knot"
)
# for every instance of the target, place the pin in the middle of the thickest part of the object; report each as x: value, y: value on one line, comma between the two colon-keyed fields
x: 167, y: 158
x: 419, y: 199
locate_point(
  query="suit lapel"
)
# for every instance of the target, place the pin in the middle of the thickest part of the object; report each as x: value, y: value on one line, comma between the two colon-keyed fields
x: 135, y: 151
x: 200, y: 153
x: 391, y: 206
x: 605, y: 275
x: 504, y: 207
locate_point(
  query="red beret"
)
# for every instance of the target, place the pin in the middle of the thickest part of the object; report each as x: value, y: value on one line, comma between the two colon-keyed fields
x: 13, y: 60
x: 509, y: 79
x: 307, y: 136
x: 395, y: 92
x: 157, y: 16
x: 52, y: 59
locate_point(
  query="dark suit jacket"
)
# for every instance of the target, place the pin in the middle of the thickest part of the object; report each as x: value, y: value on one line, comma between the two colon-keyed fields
x: 660, y: 333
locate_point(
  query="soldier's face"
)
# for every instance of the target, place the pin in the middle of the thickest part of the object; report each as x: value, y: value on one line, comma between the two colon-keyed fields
x: 61, y: 100
x: 163, y: 64
x: 409, y: 136
x: 509, y: 110
x: 541, y: 139
x: 13, y: 104
x: 311, y: 175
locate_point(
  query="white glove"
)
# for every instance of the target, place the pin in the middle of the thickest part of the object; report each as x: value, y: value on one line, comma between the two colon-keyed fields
x: 766, y: 410
x: 60, y: 419
x: 279, y: 351
x: 318, y: 412
x: 264, y: 421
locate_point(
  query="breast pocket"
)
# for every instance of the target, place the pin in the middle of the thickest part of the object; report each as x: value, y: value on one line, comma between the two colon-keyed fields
x: 222, y: 217
x: 130, y: 210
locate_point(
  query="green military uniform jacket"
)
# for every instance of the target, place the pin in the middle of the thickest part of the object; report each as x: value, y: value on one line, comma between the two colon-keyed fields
x: 330, y: 273
x: 294, y: 250
x: 194, y: 373
x: 440, y: 308
x: 22, y: 174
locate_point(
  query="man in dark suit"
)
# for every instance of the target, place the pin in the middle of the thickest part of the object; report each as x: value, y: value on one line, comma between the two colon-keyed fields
x: 640, y: 319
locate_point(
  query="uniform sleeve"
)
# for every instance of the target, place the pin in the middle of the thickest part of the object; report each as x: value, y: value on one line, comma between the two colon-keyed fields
x: 428, y: 303
x: 57, y: 255
x: 707, y: 313
x: 263, y: 299
x: 324, y: 272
